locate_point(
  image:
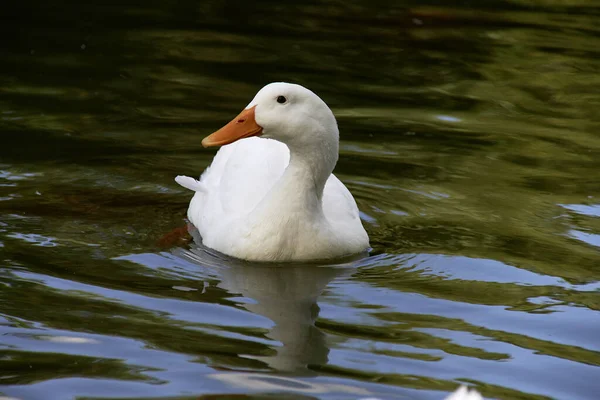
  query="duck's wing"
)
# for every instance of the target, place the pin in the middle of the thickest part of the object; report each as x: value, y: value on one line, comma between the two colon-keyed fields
x: 239, y: 177
x: 339, y: 206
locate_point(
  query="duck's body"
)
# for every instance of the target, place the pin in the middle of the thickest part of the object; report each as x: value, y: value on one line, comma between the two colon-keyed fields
x: 263, y: 200
x: 247, y: 211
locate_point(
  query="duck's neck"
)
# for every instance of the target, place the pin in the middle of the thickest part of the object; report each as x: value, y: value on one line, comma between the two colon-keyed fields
x: 299, y: 191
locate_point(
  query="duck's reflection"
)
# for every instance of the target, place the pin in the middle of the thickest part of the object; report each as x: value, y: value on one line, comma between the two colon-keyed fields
x: 285, y: 294
x: 288, y: 297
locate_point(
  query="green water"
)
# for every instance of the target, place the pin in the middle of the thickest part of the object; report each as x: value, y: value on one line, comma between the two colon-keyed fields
x: 470, y: 140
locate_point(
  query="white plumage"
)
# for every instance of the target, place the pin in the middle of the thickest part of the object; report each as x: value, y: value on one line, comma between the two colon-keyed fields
x: 253, y: 203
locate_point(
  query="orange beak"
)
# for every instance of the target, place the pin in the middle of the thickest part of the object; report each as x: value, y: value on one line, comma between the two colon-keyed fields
x: 242, y: 126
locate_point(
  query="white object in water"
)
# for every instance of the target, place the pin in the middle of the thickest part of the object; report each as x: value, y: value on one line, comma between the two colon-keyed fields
x: 465, y: 393
x: 272, y: 196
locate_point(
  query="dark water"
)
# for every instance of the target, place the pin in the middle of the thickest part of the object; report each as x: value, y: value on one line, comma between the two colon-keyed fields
x: 470, y: 139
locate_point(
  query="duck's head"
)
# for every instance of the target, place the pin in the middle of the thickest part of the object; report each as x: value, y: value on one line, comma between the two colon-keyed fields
x: 285, y: 112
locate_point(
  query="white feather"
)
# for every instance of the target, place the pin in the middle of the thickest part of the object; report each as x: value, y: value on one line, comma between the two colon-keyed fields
x: 190, y: 183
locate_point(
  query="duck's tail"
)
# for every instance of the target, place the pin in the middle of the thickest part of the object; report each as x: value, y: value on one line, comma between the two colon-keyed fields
x: 190, y: 183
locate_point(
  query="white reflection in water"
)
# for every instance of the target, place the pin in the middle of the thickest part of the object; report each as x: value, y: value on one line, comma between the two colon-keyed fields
x: 286, y: 295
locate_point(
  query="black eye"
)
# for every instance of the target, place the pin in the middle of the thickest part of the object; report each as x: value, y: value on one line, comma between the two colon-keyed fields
x: 281, y: 99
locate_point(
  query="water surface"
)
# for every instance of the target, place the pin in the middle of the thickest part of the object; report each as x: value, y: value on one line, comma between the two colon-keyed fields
x: 470, y: 140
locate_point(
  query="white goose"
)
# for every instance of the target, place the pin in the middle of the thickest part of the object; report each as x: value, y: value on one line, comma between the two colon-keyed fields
x: 272, y: 196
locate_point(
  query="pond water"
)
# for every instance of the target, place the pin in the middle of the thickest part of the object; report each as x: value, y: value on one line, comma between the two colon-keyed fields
x: 470, y: 140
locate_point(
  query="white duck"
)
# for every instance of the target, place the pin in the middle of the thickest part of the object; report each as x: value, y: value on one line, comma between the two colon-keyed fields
x: 272, y: 196
x: 465, y: 393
